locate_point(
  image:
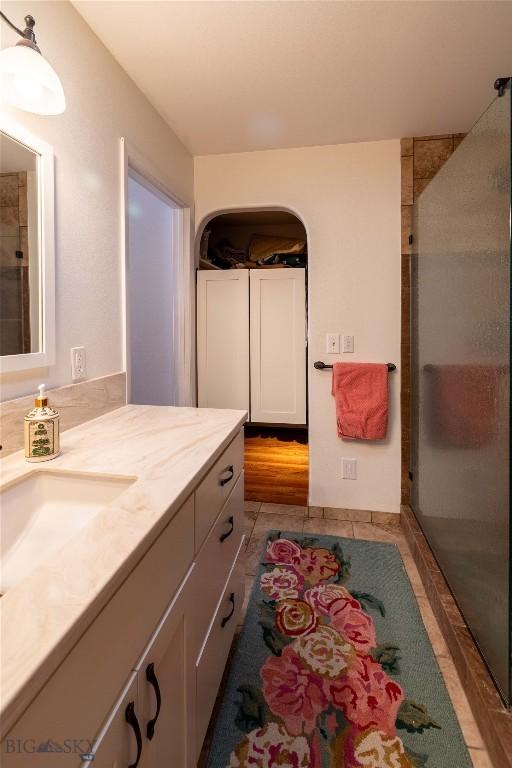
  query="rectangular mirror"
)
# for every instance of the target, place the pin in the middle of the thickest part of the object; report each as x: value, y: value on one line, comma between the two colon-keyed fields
x: 27, y: 324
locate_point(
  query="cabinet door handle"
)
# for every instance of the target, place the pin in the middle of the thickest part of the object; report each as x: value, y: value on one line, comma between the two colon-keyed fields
x: 152, y: 680
x: 227, y: 618
x: 131, y: 719
x: 226, y: 535
x: 231, y: 471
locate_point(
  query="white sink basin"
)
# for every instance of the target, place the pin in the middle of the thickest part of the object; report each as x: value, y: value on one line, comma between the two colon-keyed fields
x: 44, y: 510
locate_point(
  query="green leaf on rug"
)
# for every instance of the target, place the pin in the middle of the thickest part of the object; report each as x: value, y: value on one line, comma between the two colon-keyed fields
x: 345, y: 565
x: 267, y: 611
x: 414, y: 718
x: 274, y: 536
x: 274, y: 641
x: 308, y: 542
x: 341, y: 722
x: 416, y: 759
x: 388, y: 658
x: 370, y: 601
x: 251, y: 710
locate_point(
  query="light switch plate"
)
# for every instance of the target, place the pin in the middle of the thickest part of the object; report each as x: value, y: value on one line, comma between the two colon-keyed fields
x: 78, y: 364
x: 332, y: 344
x: 348, y: 343
x: 349, y: 469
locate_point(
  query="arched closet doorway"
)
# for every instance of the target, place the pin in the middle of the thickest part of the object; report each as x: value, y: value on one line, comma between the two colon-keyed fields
x: 252, y: 343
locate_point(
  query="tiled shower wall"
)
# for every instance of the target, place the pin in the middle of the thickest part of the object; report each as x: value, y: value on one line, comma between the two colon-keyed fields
x: 14, y: 270
x: 422, y: 157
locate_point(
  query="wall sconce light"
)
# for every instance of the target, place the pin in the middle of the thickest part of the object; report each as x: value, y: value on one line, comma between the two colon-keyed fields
x: 27, y: 80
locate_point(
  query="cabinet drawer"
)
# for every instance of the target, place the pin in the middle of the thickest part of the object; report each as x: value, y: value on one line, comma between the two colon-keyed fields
x: 215, y: 561
x: 212, y: 659
x: 76, y: 700
x: 216, y: 487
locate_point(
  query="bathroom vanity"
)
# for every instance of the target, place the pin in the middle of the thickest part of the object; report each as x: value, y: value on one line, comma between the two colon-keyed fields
x: 115, y: 639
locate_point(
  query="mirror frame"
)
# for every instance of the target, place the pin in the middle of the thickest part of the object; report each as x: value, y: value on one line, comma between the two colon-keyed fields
x: 46, y: 236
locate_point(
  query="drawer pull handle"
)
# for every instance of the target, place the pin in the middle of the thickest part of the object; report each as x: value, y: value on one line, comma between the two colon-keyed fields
x: 226, y: 535
x: 230, y: 614
x: 153, y: 680
x: 231, y: 471
x: 131, y: 719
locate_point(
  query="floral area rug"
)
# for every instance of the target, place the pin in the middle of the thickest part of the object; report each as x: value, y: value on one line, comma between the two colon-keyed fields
x: 334, y: 668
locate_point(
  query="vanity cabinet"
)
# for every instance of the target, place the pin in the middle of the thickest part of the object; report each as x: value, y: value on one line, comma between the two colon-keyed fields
x: 116, y: 745
x: 154, y: 656
x: 214, y: 651
x: 149, y: 724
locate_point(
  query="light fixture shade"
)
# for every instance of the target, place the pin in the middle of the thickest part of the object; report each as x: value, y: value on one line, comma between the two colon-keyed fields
x: 29, y: 82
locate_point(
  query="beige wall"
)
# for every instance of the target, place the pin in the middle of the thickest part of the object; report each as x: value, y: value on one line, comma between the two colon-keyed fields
x: 103, y: 105
x: 348, y: 197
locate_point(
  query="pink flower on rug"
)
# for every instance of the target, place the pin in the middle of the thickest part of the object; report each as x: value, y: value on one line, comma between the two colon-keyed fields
x: 372, y: 749
x: 367, y: 696
x: 281, y: 583
x: 295, y: 618
x: 353, y: 623
x: 293, y: 692
x: 317, y: 564
x: 272, y: 747
x: 283, y: 552
x: 323, y: 595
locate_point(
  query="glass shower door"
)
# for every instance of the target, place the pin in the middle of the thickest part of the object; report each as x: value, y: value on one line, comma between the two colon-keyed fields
x: 460, y: 326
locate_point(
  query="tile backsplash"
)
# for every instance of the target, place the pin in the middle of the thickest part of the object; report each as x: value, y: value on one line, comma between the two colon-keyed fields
x: 76, y: 404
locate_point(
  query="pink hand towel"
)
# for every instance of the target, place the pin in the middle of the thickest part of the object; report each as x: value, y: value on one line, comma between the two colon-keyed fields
x: 361, y: 394
x: 463, y: 403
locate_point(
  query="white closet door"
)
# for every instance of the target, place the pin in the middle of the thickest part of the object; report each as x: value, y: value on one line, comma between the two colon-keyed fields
x: 278, y: 346
x: 223, y: 339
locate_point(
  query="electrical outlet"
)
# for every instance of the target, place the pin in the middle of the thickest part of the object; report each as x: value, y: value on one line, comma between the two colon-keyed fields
x: 78, y: 366
x: 349, y: 469
x: 348, y: 344
x: 332, y: 343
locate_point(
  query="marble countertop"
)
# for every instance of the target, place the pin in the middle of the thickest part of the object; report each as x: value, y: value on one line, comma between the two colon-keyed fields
x: 168, y: 450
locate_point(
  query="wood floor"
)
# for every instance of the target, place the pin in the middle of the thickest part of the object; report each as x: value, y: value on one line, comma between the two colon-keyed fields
x: 276, y: 466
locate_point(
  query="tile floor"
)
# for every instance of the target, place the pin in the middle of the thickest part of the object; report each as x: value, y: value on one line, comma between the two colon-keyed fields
x: 263, y: 517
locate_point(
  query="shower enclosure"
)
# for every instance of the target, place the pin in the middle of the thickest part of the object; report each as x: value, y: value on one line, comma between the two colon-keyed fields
x: 460, y: 342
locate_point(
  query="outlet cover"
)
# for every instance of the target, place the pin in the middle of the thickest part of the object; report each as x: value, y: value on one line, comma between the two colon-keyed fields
x: 78, y: 365
x: 349, y: 469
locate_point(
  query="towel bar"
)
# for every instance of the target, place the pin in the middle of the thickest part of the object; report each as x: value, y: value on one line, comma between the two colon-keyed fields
x: 320, y: 366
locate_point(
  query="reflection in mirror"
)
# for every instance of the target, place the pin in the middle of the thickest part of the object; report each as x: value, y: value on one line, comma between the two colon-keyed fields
x: 20, y: 305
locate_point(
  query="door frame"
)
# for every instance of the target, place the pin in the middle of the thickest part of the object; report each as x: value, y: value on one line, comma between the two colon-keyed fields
x: 133, y: 163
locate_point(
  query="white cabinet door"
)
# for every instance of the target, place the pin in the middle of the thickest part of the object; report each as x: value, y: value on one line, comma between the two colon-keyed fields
x: 166, y: 690
x: 278, y: 346
x: 120, y: 743
x: 223, y: 339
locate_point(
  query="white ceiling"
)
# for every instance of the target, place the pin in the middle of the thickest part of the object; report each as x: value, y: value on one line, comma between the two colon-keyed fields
x: 244, y: 75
